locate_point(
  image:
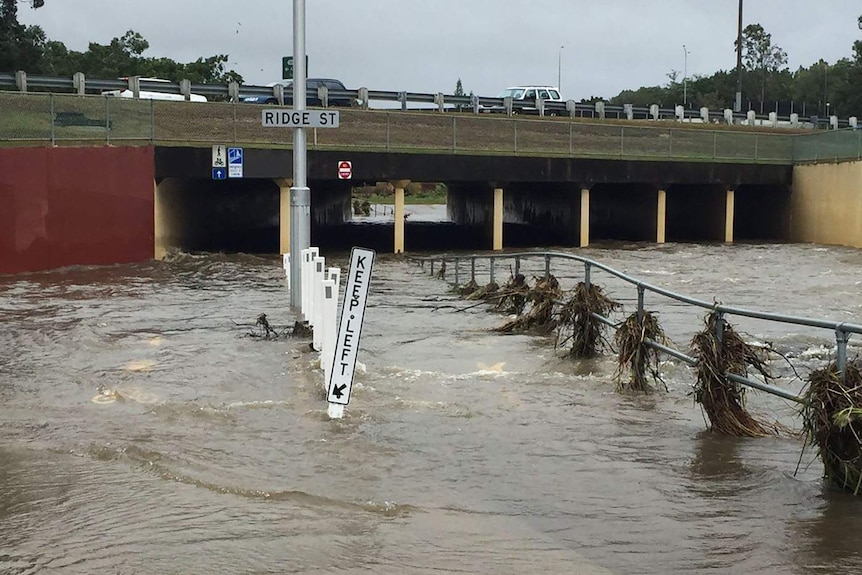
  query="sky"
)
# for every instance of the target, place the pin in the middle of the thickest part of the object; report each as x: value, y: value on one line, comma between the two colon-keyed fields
x: 594, y: 48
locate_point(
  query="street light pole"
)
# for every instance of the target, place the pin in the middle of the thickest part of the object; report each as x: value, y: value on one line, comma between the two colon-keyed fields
x: 300, y: 195
x: 685, y: 77
x: 559, y: 67
x: 738, y: 104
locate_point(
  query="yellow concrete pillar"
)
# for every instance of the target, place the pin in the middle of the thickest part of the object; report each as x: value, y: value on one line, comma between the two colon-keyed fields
x: 498, y: 219
x: 399, y: 186
x: 284, y: 214
x: 728, y: 216
x: 585, y: 217
x: 661, y: 216
x: 160, y: 249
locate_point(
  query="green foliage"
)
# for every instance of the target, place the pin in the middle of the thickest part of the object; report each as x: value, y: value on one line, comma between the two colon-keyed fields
x: 27, y: 48
x: 459, y: 88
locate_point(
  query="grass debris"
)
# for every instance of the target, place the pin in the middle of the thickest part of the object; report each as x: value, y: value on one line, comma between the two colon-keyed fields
x: 579, y: 328
x: 637, y: 363
x: 832, y: 421
x: 723, y: 400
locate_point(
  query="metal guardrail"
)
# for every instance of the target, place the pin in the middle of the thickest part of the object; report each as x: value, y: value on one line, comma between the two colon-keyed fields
x: 72, y: 110
x: 843, y: 330
x: 81, y: 85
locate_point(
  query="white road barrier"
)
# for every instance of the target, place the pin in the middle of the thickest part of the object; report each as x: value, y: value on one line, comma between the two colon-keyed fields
x: 317, y: 276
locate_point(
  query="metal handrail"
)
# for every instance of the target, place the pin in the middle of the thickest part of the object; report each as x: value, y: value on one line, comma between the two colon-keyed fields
x: 8, y: 80
x: 842, y: 329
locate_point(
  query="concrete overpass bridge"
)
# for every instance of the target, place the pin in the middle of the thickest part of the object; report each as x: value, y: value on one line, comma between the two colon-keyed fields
x: 513, y: 181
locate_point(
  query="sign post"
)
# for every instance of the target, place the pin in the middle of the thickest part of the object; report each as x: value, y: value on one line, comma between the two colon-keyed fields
x: 300, y: 195
x: 349, y: 329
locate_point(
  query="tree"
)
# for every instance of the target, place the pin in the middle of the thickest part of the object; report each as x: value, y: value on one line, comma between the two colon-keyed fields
x: 20, y: 46
x: 759, y: 55
x: 459, y: 88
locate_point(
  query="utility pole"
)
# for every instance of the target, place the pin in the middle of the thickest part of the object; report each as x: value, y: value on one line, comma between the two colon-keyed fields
x: 685, y: 77
x: 559, y: 67
x: 737, y: 107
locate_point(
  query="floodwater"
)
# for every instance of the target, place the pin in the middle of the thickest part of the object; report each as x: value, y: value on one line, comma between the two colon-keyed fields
x: 143, y: 431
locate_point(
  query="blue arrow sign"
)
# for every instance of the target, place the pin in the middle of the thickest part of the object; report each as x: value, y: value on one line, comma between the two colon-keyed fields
x: 219, y: 173
x: 234, y: 156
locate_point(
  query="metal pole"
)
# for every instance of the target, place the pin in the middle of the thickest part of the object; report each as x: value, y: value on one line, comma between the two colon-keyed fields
x: 685, y: 77
x: 737, y: 107
x: 560, y: 67
x: 300, y: 195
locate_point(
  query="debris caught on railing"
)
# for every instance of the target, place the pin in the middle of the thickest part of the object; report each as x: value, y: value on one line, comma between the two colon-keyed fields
x: 542, y: 298
x: 719, y: 350
x: 832, y: 420
x: 636, y: 361
x: 577, y: 316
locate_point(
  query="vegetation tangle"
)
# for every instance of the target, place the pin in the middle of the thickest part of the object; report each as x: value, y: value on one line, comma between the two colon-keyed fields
x: 832, y: 421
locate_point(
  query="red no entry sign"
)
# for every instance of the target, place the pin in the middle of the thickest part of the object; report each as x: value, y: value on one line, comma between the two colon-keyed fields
x: 345, y: 170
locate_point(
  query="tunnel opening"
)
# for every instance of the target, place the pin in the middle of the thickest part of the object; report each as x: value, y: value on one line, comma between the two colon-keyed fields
x: 762, y: 213
x: 623, y: 212
x: 541, y: 214
x: 232, y: 216
x: 695, y: 213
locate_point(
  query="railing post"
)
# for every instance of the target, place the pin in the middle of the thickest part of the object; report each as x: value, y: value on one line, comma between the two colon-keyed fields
x: 640, y: 303
x: 454, y: 133
x: 432, y: 268
x: 841, y: 351
x: 53, y: 139
x: 492, y: 265
x: 719, y: 326
x: 152, y: 122
x: 457, y: 276
x: 107, y: 121
x: 622, y: 141
x: 517, y: 265
x: 547, y: 266
x: 473, y: 269
x: 587, y: 274
x: 515, y: 130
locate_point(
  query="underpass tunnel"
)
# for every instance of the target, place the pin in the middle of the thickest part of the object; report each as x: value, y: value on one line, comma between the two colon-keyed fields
x: 762, y: 213
x: 696, y: 213
x: 543, y: 213
x: 623, y: 212
x: 234, y: 215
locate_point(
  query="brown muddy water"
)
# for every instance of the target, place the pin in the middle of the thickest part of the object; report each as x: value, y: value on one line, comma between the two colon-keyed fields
x: 142, y: 431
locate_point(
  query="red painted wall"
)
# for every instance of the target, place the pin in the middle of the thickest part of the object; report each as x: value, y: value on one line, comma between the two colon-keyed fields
x: 67, y: 206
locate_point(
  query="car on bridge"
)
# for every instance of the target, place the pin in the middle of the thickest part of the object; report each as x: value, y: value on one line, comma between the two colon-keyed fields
x: 335, y: 97
x: 524, y: 100
x: 148, y: 95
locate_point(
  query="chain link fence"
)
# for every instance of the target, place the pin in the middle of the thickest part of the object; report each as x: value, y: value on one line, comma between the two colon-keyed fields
x: 62, y: 119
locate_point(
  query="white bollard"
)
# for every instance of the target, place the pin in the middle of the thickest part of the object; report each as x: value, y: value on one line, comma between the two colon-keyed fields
x: 329, y: 328
x: 773, y: 119
x: 335, y: 275
x: 680, y: 113
x: 728, y: 116
x: 794, y: 120
x: 704, y: 115
x: 317, y: 305
x: 306, y: 269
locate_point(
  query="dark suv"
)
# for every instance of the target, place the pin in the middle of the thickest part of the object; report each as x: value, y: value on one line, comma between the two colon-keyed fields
x: 312, y: 99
